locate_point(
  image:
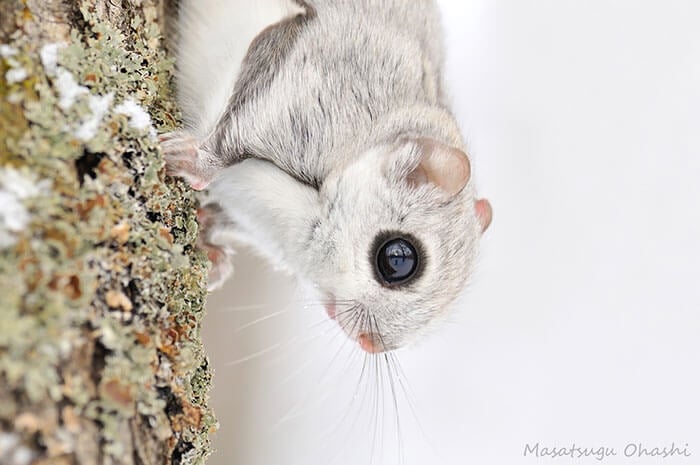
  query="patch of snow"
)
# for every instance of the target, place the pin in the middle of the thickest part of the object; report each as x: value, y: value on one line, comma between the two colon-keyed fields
x: 14, y: 98
x: 49, y: 57
x: 138, y: 117
x: 7, y: 51
x: 22, y: 185
x: 14, y: 453
x: 99, y: 105
x: 68, y: 89
x: 7, y: 442
x: 15, y: 75
x: 13, y: 217
x: 22, y: 456
x: 15, y: 187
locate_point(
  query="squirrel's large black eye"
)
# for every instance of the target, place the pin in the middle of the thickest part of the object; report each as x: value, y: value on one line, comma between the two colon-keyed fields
x: 396, y: 261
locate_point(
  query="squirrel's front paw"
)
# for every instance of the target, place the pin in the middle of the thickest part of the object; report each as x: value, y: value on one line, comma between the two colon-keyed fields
x: 184, y: 158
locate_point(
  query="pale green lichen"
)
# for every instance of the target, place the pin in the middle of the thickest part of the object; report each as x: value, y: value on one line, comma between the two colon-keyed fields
x: 103, y: 290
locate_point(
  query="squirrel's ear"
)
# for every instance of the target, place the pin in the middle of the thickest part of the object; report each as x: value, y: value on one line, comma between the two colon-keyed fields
x: 484, y: 213
x: 445, y: 167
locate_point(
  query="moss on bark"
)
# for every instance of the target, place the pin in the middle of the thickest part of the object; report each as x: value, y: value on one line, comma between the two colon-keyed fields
x: 101, y: 287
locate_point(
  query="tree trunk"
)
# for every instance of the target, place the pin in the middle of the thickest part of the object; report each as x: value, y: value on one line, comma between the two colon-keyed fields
x: 101, y: 286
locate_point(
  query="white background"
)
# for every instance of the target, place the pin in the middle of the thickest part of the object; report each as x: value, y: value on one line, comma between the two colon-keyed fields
x: 583, y: 321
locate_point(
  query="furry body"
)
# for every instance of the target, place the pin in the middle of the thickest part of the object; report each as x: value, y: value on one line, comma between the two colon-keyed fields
x: 330, y: 129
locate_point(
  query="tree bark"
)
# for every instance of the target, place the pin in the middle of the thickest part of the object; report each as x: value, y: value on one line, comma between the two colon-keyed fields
x: 101, y: 286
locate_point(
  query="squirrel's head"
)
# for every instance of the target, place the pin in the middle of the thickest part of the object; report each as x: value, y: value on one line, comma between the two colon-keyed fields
x: 396, y: 240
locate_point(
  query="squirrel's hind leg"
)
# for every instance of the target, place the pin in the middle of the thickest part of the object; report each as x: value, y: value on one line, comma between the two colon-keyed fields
x: 210, y: 242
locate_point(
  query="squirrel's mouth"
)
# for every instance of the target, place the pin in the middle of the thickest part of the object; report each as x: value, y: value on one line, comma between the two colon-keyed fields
x: 329, y: 304
x: 330, y: 309
x: 368, y: 341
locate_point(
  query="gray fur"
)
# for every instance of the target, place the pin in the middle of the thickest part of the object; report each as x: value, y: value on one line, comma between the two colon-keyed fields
x: 354, y: 70
x: 311, y: 154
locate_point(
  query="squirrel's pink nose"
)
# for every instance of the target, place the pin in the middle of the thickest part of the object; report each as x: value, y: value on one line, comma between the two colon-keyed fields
x: 370, y: 343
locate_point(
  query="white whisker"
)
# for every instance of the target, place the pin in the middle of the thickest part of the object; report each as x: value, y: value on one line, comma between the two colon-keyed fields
x: 255, y: 355
x: 261, y: 319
